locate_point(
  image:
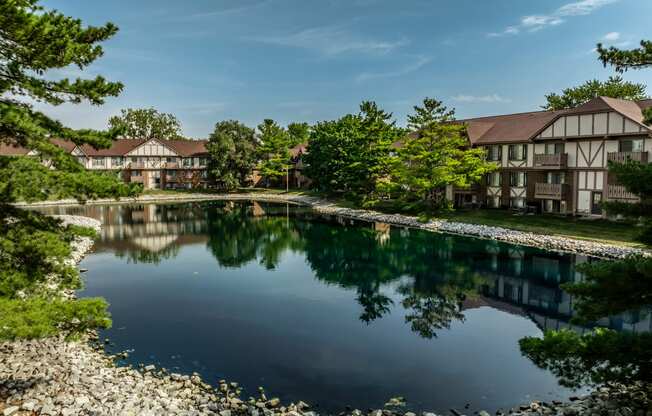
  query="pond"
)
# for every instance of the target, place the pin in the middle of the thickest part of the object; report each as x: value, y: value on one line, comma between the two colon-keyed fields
x: 328, y: 310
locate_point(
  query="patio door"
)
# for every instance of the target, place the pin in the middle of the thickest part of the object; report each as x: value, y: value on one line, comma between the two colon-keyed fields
x: 596, y: 202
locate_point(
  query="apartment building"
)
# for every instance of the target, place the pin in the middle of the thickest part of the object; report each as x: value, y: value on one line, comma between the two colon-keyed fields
x: 157, y: 164
x: 557, y: 161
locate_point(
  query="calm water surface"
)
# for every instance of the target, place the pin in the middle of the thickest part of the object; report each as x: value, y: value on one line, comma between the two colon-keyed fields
x: 330, y: 311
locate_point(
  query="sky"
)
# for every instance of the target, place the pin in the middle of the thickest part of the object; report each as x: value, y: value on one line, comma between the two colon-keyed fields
x: 311, y: 60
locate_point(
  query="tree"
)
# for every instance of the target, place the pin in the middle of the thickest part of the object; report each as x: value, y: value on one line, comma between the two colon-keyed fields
x: 622, y: 60
x: 231, y: 147
x: 352, y: 154
x: 146, y: 123
x: 299, y: 133
x: 436, y: 155
x: 33, y: 247
x: 273, y: 150
x: 614, y: 87
x: 432, y: 111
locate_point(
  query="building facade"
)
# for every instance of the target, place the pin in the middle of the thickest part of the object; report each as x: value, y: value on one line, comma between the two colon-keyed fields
x: 157, y: 164
x: 557, y: 161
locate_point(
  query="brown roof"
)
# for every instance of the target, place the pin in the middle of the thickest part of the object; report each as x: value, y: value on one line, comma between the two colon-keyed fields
x: 522, y: 127
x: 187, y: 147
x: 508, y: 128
x: 11, y: 150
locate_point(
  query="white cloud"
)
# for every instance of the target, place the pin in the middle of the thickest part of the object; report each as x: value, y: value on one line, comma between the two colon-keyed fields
x: 611, y: 36
x: 414, y: 66
x: 536, y: 22
x: 331, y: 41
x: 492, y: 98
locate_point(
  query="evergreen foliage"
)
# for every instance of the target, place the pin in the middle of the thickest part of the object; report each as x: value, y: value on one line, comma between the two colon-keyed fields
x: 437, y: 154
x: 273, y: 150
x: 33, y: 247
x: 614, y: 87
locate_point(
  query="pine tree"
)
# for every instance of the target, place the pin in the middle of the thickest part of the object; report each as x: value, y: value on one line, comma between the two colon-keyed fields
x: 32, y: 247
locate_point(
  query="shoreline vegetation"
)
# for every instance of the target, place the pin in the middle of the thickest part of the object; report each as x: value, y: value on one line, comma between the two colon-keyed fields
x: 55, y: 376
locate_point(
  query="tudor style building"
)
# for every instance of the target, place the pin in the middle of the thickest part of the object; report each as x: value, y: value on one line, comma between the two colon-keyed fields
x: 557, y: 161
x: 157, y: 164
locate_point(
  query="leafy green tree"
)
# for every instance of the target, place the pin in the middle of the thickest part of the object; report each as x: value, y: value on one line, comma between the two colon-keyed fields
x: 614, y: 87
x: 299, y: 133
x: 33, y: 247
x: 232, y: 150
x: 146, y: 123
x: 436, y: 155
x: 273, y: 150
x: 432, y: 111
x: 352, y: 154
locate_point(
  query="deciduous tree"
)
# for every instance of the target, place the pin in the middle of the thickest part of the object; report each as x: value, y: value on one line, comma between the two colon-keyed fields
x: 146, y: 123
x: 232, y: 149
x: 352, y: 154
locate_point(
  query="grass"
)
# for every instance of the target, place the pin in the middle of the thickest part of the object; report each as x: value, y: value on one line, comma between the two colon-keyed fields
x: 620, y: 233
x: 600, y: 230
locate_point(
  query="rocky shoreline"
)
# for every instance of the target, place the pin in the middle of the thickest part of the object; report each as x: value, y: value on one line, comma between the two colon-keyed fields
x: 547, y: 242
x: 55, y: 377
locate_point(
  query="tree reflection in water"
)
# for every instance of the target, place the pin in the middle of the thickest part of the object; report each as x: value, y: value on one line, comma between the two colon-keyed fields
x: 436, y: 276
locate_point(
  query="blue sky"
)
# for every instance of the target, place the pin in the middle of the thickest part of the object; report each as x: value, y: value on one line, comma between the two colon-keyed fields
x: 308, y: 60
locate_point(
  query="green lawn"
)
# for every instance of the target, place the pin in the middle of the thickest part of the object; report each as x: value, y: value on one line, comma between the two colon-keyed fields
x: 619, y: 233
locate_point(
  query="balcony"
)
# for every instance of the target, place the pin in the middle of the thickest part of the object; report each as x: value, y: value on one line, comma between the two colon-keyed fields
x: 622, y: 157
x: 620, y: 192
x: 556, y: 191
x: 554, y: 161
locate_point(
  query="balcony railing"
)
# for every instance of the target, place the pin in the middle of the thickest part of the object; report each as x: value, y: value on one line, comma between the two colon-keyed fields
x: 619, y: 192
x: 558, y: 160
x: 622, y: 157
x: 558, y: 191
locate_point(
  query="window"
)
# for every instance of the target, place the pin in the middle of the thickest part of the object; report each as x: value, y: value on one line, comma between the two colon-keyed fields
x: 556, y: 177
x: 517, y: 151
x: 631, y: 145
x: 518, y: 179
x: 171, y: 159
x: 204, y: 174
x: 187, y: 162
x: 134, y: 159
x: 203, y: 161
x: 116, y: 161
x: 136, y: 173
x: 494, y: 179
x: 172, y: 173
x: 554, y: 148
x: 99, y: 162
x: 494, y: 153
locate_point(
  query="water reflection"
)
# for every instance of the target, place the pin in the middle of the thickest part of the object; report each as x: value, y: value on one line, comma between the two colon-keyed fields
x: 438, y: 276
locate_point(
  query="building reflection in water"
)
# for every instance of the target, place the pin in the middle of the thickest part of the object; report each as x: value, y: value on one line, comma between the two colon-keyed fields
x: 438, y: 275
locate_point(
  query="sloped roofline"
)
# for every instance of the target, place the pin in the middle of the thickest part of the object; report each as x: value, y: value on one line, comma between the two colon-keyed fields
x: 578, y: 111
